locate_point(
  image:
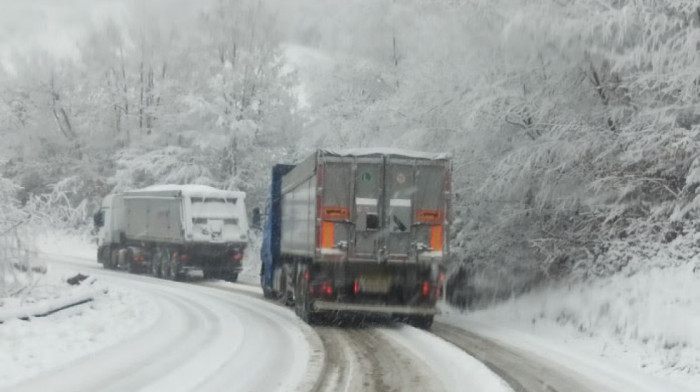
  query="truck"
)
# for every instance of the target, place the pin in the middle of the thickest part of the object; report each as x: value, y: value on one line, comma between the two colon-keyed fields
x: 168, y: 230
x: 358, y: 232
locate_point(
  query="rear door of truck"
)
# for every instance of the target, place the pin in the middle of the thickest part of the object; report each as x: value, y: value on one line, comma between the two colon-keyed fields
x: 382, y: 205
x: 430, y: 205
x: 369, y: 208
x: 400, y: 187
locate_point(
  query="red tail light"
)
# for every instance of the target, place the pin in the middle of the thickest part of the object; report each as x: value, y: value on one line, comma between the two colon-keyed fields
x: 307, y: 276
x: 356, y: 287
x: 426, y: 288
x: 327, y: 289
x: 237, y: 256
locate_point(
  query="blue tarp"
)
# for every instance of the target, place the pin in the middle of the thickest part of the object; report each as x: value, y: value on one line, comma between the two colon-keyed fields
x: 270, y: 250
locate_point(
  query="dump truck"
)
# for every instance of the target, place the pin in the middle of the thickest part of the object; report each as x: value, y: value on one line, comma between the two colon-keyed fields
x: 167, y: 230
x: 359, y: 232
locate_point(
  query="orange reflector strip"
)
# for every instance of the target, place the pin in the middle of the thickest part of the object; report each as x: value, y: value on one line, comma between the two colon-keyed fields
x: 429, y: 216
x: 327, y: 234
x: 436, y: 238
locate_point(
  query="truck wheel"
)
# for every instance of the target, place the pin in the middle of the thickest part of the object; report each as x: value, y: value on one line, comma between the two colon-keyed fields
x: 155, y: 263
x: 173, y: 268
x: 170, y: 275
x: 164, y: 265
x: 113, y: 259
x: 129, y: 262
x: 267, y: 291
x: 302, y: 305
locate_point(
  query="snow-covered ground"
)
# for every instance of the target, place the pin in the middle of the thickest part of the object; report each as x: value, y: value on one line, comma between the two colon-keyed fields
x: 638, y: 330
x: 40, y: 344
x: 642, y: 324
x: 213, y: 339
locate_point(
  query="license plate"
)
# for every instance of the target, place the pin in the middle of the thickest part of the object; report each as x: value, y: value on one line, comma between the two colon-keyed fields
x: 377, y: 284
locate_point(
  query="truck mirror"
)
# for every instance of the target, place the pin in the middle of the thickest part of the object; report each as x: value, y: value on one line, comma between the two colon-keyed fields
x: 98, y: 219
x: 256, y: 217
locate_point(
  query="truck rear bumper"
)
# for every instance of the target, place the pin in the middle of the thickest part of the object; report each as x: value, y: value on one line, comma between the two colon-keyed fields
x: 376, y: 309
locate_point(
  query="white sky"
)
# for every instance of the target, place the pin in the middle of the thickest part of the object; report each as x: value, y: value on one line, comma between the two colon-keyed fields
x: 57, y: 25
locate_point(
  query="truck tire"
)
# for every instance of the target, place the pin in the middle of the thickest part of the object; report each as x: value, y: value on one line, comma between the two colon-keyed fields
x: 129, y: 261
x: 164, y: 265
x: 155, y: 263
x: 171, y: 268
x: 268, y: 292
x: 174, y: 272
x: 302, y: 303
x: 113, y: 259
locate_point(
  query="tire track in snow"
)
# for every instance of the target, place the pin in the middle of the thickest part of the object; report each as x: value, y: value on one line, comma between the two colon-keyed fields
x: 524, y: 372
x: 203, y: 339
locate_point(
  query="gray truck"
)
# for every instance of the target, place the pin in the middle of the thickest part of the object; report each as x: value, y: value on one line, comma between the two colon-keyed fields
x: 167, y: 230
x: 358, y: 232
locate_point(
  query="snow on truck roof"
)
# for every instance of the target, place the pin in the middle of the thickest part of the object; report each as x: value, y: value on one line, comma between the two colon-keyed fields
x: 190, y: 190
x: 389, y: 151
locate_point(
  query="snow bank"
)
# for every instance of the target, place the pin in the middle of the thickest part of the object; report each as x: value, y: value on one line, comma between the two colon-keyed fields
x: 31, y: 347
x: 82, y: 246
x: 38, y: 344
x: 641, y: 320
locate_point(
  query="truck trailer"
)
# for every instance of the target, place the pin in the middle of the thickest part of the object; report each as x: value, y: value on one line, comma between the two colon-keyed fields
x: 167, y: 230
x: 358, y: 232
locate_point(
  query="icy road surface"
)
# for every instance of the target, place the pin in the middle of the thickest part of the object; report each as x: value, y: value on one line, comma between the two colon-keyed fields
x: 213, y: 336
x: 203, y: 340
x: 388, y: 356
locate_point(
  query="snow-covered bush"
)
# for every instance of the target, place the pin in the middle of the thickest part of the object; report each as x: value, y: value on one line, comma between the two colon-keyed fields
x: 17, y: 252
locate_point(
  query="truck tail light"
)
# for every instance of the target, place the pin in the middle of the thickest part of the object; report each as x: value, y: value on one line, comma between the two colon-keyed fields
x: 356, y: 287
x: 237, y: 256
x: 182, y: 257
x: 327, y: 289
x: 425, y: 290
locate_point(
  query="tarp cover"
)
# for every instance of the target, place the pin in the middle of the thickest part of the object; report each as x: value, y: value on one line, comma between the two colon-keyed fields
x: 191, y: 190
x: 387, y: 151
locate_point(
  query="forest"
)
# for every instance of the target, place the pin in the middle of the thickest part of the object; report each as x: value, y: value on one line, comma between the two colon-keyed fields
x: 573, y: 125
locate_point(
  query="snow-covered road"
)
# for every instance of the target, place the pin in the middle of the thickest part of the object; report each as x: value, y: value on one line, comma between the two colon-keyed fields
x: 203, y: 339
x: 213, y: 335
